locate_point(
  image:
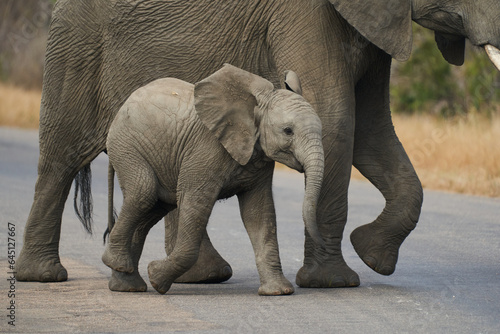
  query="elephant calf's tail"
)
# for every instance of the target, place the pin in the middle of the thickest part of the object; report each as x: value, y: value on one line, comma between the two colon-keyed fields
x: 83, y: 209
x: 111, y: 208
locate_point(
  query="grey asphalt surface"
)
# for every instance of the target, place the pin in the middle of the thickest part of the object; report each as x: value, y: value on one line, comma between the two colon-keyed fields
x: 447, y: 279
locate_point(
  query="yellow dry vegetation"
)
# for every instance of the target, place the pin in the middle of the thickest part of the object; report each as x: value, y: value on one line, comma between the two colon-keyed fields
x: 459, y: 155
x: 19, y: 107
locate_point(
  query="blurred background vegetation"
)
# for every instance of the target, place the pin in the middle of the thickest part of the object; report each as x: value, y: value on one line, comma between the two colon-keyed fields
x: 427, y: 83
x: 23, y: 34
x: 424, y: 84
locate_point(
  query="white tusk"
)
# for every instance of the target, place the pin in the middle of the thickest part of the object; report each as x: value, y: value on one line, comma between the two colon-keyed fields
x: 494, y: 55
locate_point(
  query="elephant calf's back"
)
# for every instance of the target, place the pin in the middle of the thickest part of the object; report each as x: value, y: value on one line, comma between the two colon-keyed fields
x: 162, y: 106
x: 155, y: 124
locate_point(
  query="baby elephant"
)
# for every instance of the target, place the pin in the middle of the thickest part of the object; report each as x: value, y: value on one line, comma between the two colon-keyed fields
x: 175, y: 145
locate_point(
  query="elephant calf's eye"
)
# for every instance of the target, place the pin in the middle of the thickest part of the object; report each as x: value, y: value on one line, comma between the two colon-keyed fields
x: 288, y: 131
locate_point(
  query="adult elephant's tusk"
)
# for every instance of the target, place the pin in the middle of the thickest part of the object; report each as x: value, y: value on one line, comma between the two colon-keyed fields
x: 494, y: 55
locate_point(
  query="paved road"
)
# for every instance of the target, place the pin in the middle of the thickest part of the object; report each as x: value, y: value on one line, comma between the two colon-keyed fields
x: 447, y: 280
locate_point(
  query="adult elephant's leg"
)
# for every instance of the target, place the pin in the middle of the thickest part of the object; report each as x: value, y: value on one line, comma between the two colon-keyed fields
x: 327, y: 268
x: 210, y: 266
x: 69, y: 140
x: 380, y: 157
x: 314, y: 49
x: 39, y: 257
x: 57, y: 166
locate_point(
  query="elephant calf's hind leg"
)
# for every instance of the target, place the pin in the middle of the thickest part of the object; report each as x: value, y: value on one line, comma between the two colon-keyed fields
x: 119, y: 253
x: 133, y: 282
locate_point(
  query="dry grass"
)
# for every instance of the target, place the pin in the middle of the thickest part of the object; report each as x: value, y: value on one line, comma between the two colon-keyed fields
x: 460, y: 155
x: 19, y: 107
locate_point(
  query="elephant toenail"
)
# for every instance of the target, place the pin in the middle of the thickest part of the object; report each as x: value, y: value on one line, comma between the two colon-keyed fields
x: 227, y: 271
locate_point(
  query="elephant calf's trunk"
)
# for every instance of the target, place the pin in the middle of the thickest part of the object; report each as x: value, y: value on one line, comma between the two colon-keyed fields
x: 313, y: 169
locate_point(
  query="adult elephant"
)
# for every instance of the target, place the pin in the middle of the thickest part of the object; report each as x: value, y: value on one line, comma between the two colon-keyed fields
x: 99, y: 51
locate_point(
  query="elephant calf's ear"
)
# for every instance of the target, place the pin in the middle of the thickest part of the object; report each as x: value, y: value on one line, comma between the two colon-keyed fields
x: 292, y: 82
x: 225, y: 106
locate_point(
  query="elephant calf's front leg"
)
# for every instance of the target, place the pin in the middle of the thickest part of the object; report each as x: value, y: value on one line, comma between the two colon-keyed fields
x: 193, y: 218
x: 261, y: 227
x: 210, y: 266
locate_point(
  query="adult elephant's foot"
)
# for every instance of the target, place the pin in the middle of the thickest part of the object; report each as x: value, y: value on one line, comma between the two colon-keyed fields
x: 209, y: 268
x: 326, y: 274
x: 276, y: 288
x: 31, y: 267
x: 378, y: 247
x: 127, y: 282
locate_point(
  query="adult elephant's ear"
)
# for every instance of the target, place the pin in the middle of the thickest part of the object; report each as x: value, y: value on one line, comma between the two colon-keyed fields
x: 225, y: 103
x: 385, y: 23
x: 452, y: 48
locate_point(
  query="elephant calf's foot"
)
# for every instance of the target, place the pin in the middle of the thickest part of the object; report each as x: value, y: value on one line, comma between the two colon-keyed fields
x: 377, y: 248
x: 33, y: 268
x: 118, y: 262
x: 158, y: 276
x: 276, y: 288
x: 127, y: 282
x: 209, y: 268
x: 328, y: 275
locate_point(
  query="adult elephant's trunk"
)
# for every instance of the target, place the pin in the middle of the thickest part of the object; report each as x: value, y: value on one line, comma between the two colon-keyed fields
x: 311, y: 156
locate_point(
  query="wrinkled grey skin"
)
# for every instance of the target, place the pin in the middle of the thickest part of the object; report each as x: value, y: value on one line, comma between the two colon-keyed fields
x: 100, y: 51
x: 175, y: 145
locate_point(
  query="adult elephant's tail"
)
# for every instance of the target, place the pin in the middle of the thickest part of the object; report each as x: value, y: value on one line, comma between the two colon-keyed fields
x: 83, y: 207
